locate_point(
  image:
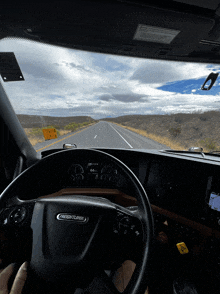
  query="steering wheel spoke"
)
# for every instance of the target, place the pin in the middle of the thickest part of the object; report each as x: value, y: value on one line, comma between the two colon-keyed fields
x: 18, y: 215
x: 15, y: 233
x: 128, y: 223
x: 128, y: 229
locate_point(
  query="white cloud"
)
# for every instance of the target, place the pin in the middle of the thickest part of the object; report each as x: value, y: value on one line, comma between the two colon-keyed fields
x: 61, y: 81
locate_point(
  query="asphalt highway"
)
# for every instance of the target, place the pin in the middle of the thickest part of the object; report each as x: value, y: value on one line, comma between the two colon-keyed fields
x: 102, y: 134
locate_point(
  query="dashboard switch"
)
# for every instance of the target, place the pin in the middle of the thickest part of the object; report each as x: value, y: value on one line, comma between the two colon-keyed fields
x: 18, y: 215
x: 182, y: 248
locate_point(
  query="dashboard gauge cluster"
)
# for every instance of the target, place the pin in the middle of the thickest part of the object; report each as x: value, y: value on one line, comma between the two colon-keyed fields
x: 93, y: 172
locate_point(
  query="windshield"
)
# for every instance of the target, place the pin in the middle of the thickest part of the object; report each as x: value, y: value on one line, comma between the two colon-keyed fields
x: 97, y: 100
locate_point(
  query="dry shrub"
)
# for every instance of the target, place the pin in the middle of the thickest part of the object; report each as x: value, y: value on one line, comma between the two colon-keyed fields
x: 175, y: 131
x: 209, y: 144
x: 183, y: 129
x: 64, y: 132
x: 34, y: 141
x: 35, y: 135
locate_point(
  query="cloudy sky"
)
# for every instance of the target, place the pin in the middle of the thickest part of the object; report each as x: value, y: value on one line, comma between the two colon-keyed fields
x: 66, y: 82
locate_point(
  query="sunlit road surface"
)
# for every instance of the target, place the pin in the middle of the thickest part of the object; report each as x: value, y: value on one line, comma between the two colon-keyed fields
x: 102, y: 134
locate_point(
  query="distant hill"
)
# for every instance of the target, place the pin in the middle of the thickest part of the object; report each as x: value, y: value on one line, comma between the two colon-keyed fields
x: 196, y: 129
x: 36, y: 121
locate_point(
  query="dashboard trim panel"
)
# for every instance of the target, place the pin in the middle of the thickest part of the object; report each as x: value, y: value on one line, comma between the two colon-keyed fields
x: 126, y: 200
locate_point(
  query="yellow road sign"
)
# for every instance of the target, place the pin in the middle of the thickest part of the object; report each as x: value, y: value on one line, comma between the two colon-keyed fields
x: 182, y: 248
x: 49, y: 134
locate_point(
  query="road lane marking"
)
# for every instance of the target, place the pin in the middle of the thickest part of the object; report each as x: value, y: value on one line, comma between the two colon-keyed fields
x: 121, y: 137
x: 60, y: 140
x: 95, y: 136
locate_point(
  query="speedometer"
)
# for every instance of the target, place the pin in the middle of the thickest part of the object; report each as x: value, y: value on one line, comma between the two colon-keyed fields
x: 76, y: 169
x: 109, y: 173
x: 76, y: 172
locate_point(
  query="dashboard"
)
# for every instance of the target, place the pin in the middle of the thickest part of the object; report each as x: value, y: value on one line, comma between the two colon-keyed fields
x: 184, y: 192
x: 189, y: 187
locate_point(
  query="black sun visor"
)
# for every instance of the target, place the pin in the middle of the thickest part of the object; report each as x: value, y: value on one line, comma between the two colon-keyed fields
x: 9, y: 68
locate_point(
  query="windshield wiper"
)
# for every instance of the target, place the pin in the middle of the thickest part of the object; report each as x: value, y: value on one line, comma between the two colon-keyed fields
x: 214, y: 152
x: 197, y: 149
x: 192, y: 150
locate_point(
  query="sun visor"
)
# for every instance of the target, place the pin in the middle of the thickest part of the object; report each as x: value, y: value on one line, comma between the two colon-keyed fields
x: 9, y: 68
x: 170, y: 33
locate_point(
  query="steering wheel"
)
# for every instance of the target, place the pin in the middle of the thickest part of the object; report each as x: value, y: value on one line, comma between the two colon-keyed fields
x: 76, y: 237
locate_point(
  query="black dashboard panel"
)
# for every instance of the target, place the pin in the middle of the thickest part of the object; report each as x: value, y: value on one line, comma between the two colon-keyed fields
x: 180, y: 184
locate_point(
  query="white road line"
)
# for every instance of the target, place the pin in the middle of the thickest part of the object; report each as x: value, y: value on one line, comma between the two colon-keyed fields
x: 95, y: 136
x: 121, y: 137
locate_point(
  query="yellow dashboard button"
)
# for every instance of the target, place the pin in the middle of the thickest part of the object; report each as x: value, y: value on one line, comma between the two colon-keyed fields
x: 182, y: 248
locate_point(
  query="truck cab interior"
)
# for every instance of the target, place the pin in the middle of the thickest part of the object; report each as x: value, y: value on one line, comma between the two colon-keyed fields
x: 156, y: 228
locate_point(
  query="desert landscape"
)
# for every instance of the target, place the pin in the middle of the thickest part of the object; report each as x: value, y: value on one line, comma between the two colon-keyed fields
x: 33, y: 125
x: 177, y: 131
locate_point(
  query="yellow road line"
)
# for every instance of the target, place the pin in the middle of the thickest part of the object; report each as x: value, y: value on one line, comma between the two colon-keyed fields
x: 61, y: 140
